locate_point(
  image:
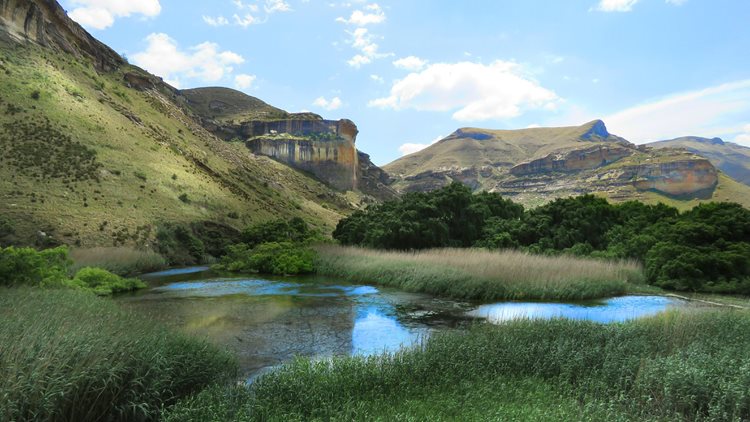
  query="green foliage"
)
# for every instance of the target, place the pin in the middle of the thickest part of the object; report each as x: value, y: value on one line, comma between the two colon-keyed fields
x: 283, y: 258
x: 677, y: 366
x: 294, y: 230
x: 184, y: 198
x: 27, y: 266
x: 103, y: 282
x: 70, y: 356
x: 7, y: 229
x: 704, y: 249
x: 449, y: 217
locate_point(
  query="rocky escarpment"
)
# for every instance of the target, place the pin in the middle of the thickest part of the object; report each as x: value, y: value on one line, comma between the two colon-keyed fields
x: 305, y: 141
x: 46, y: 23
x: 540, y: 164
x: 324, y: 148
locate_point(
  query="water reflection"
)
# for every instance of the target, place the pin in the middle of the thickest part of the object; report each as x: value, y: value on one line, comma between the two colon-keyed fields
x: 612, y: 310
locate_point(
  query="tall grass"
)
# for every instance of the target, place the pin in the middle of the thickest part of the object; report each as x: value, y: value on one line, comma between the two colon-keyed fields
x: 121, y: 260
x: 480, y: 274
x: 677, y: 366
x: 67, y: 355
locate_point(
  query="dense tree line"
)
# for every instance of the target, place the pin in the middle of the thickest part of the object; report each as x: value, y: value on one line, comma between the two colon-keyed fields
x: 704, y: 249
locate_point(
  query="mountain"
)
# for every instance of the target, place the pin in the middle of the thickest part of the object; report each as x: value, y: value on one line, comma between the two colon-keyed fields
x: 730, y: 158
x: 95, y: 151
x: 535, y: 165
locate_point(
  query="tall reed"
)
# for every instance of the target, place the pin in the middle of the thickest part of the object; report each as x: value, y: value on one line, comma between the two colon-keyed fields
x: 67, y: 355
x: 480, y: 274
x: 121, y: 260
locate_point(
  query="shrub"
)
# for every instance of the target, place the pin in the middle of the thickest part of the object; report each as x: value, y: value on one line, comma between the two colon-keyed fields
x: 70, y: 356
x: 27, y: 266
x: 294, y: 230
x: 269, y: 258
x: 103, y: 282
x: 184, y: 198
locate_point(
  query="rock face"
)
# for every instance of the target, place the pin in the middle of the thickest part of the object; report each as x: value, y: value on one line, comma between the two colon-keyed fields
x: 536, y: 165
x: 305, y: 141
x: 324, y: 148
x: 46, y: 23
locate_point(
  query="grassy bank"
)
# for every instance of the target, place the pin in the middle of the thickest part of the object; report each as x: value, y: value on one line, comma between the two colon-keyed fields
x: 121, y: 260
x: 676, y: 366
x: 481, y: 275
x: 67, y: 355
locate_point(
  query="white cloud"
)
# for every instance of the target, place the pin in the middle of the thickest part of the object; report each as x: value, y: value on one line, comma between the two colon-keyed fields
x: 332, y: 104
x: 720, y: 110
x: 377, y: 78
x: 475, y: 91
x: 203, y: 62
x: 273, y: 6
x: 245, y: 21
x: 362, y: 40
x: 101, y: 14
x: 616, y: 5
x: 411, y: 148
x: 744, y: 137
x: 373, y: 14
x: 411, y: 63
x: 676, y: 2
x: 217, y: 21
x: 244, y: 81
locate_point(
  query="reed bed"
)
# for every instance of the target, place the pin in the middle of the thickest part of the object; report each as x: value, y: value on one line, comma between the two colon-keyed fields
x: 121, y: 260
x: 479, y: 274
x: 681, y: 365
x: 68, y: 355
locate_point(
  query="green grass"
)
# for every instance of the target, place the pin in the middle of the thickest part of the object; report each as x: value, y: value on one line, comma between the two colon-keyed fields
x: 67, y: 355
x: 122, y: 260
x: 676, y: 366
x: 477, y: 274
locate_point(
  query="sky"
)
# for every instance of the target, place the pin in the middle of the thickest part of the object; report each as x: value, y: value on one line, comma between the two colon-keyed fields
x: 410, y: 72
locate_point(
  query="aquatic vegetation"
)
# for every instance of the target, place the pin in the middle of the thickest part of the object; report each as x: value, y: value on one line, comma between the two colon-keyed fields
x: 70, y: 356
x: 481, y: 274
x: 679, y: 365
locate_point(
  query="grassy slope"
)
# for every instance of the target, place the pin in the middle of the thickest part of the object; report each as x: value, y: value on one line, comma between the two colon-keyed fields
x: 731, y: 158
x: 144, y: 166
x: 236, y: 106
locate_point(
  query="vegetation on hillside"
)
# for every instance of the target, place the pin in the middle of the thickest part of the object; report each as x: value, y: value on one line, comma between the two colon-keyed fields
x: 69, y: 356
x: 676, y: 366
x: 703, y: 249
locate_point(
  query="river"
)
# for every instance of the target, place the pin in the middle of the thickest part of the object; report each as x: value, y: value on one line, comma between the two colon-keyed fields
x: 268, y: 320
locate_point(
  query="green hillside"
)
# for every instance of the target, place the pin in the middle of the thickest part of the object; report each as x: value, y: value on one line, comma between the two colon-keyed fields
x: 87, y: 160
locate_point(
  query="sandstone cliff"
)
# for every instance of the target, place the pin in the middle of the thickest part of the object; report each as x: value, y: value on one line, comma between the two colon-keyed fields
x: 535, y: 165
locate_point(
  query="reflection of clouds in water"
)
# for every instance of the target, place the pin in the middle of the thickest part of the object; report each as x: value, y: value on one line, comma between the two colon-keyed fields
x: 376, y: 329
x: 176, y: 271
x: 613, y: 310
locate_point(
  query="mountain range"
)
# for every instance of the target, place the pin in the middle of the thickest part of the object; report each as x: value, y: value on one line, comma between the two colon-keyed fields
x: 95, y: 151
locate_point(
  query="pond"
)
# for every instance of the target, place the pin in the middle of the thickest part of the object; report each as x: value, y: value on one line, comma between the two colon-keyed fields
x: 269, y: 320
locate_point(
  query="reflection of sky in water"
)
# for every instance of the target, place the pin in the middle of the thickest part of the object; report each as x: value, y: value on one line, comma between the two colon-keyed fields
x: 612, y: 310
x: 176, y: 271
x: 376, y: 329
x: 250, y: 287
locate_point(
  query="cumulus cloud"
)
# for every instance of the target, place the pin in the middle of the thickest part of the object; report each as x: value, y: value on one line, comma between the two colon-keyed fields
x: 719, y: 110
x: 377, y: 78
x: 204, y: 62
x: 332, y: 104
x: 250, y: 13
x: 411, y: 148
x: 412, y: 63
x: 101, y: 14
x: 475, y: 91
x: 273, y: 6
x: 362, y: 40
x: 373, y: 14
x: 244, y: 81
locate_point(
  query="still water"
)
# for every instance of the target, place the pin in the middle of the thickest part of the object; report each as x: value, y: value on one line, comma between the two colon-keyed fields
x: 269, y: 320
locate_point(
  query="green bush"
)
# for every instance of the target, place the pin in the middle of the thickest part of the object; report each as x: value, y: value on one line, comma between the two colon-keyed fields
x: 27, y: 266
x: 294, y: 230
x: 67, y: 355
x: 103, y: 282
x: 284, y: 258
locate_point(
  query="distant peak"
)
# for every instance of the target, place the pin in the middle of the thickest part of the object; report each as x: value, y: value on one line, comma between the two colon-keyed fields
x: 471, y: 133
x: 717, y: 141
x: 595, y: 128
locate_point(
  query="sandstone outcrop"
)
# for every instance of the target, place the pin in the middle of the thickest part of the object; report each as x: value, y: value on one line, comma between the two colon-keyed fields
x: 575, y: 160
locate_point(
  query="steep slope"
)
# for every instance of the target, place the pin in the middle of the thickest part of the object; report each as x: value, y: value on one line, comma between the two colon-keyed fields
x: 731, y: 158
x: 539, y: 164
x: 94, y: 151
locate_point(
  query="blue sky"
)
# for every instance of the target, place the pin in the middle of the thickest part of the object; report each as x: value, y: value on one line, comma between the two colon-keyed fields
x: 410, y: 72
